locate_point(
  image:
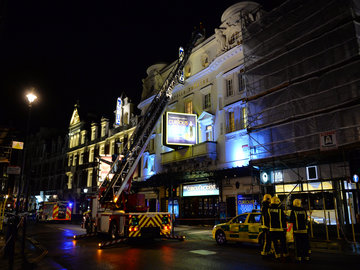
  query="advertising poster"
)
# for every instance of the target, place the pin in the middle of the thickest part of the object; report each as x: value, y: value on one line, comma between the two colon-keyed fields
x: 105, y: 167
x: 246, y: 204
x: 181, y: 128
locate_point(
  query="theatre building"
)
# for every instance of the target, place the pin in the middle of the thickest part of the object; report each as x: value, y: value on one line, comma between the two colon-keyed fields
x: 197, y: 160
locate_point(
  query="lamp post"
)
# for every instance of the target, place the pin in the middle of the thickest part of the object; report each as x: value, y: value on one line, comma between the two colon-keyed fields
x: 31, y: 97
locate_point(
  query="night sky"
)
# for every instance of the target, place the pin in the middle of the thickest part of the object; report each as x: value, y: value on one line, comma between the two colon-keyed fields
x: 88, y: 51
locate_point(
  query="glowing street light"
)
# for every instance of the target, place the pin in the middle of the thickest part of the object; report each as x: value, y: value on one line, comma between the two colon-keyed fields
x: 31, y: 98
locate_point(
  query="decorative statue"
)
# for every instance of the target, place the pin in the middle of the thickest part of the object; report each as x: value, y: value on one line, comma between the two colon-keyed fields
x: 220, y: 39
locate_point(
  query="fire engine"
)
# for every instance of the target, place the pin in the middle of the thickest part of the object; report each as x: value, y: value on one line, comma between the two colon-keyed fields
x: 115, y: 210
x: 54, y: 211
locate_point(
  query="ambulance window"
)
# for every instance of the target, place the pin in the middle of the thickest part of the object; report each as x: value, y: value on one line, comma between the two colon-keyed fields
x: 240, y: 219
x: 254, y: 218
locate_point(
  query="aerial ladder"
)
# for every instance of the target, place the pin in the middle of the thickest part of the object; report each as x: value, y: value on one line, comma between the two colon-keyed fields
x: 111, y: 210
x: 128, y: 160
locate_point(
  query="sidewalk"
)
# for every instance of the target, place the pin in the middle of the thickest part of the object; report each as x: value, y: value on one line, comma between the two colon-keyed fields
x: 33, y: 253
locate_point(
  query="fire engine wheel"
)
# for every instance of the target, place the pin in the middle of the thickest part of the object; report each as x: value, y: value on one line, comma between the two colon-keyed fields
x: 220, y: 237
x: 114, y: 231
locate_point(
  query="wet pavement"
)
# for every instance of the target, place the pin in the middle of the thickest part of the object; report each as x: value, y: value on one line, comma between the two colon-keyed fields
x: 198, y: 242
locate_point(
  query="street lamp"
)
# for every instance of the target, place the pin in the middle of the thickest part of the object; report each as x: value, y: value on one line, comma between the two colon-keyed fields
x: 31, y: 97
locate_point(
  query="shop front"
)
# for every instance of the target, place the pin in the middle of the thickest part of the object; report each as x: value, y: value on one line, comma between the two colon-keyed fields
x: 199, y: 203
x: 331, y: 200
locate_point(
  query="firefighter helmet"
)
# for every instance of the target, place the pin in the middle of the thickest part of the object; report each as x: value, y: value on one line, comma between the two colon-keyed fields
x: 297, y: 203
x: 275, y: 200
x: 267, y: 197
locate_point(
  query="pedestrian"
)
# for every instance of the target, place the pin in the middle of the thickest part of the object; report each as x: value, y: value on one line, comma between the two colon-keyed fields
x: 266, y: 244
x: 277, y: 228
x: 298, y: 217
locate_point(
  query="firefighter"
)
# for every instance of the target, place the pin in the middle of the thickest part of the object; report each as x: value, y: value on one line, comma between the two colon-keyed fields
x: 298, y: 217
x: 265, y: 225
x: 277, y: 228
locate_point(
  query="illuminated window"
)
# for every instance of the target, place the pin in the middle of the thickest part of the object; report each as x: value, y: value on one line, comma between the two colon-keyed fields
x: 69, y: 161
x: 188, y: 106
x: 91, y: 156
x: 75, y: 160
x: 207, y: 101
x: 102, y: 150
x: 230, y: 122
x: 229, y: 88
x: 243, y: 118
x: 208, y: 131
x: 83, y: 137
x: 81, y: 159
x: 103, y: 131
x: 89, y: 180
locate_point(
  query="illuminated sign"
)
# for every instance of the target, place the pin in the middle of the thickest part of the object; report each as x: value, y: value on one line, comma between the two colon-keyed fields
x: 118, y: 112
x: 180, y: 129
x: 104, y: 167
x: 355, y: 178
x: 200, y: 190
x: 245, y: 204
x: 265, y: 177
x: 328, y: 140
x: 17, y: 145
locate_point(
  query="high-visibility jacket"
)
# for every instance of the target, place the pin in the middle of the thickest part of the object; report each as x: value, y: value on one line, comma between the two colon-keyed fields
x: 277, y: 218
x: 298, y: 217
x: 265, y: 220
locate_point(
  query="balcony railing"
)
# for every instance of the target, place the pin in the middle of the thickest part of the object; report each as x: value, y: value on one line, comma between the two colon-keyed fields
x: 205, y: 149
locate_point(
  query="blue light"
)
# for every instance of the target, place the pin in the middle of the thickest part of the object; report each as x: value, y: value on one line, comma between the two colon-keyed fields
x: 70, y: 205
x: 237, y: 152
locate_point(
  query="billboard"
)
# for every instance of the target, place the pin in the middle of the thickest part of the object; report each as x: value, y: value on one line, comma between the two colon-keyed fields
x: 104, y: 167
x: 180, y: 129
x: 205, y: 189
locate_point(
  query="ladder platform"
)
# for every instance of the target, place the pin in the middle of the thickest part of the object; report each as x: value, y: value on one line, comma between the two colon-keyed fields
x: 81, y: 236
x: 177, y: 237
x: 111, y: 243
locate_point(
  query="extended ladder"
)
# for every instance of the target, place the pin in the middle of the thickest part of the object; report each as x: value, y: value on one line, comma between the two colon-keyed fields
x: 126, y: 163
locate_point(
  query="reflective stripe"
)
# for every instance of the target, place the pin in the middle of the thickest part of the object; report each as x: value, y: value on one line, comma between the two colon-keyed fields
x: 55, y: 211
x: 300, y: 231
x: 276, y: 230
x: 149, y: 221
x: 68, y: 213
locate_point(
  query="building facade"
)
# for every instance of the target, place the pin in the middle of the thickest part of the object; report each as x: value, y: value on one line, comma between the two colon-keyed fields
x: 92, y: 147
x: 44, y: 177
x: 210, y: 177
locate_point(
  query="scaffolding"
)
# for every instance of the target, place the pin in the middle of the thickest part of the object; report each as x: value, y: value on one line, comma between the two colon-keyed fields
x: 302, y: 78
